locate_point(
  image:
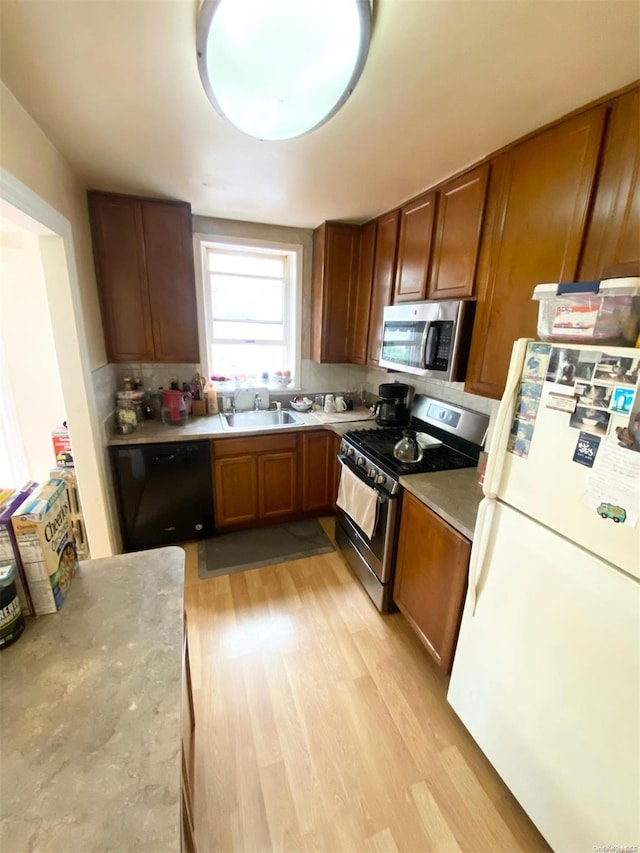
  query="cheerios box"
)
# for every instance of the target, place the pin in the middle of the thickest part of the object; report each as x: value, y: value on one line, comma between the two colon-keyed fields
x: 42, y: 527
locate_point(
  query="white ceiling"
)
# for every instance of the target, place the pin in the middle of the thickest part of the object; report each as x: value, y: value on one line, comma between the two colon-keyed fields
x: 115, y: 85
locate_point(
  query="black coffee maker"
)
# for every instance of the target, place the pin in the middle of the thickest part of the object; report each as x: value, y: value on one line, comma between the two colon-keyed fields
x: 392, y: 409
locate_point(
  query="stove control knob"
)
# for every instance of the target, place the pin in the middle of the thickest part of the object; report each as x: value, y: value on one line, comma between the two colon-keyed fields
x: 350, y: 452
x: 360, y: 461
x: 371, y: 473
x: 380, y: 479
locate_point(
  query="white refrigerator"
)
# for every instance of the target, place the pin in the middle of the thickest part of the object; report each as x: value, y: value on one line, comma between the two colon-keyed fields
x: 546, y: 675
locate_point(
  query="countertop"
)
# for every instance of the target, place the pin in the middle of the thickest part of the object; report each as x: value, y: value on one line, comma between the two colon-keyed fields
x: 90, y: 714
x: 209, y: 426
x: 453, y: 495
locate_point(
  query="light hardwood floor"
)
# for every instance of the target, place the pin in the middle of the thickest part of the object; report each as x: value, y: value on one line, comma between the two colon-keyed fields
x: 323, y: 726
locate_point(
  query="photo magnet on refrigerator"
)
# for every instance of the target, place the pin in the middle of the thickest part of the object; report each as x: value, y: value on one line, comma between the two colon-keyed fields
x: 586, y: 449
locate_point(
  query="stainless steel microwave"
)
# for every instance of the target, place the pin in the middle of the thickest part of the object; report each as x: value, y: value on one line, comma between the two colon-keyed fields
x: 429, y: 338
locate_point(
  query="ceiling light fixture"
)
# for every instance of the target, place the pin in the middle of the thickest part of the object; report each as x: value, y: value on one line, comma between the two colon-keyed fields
x: 279, y: 69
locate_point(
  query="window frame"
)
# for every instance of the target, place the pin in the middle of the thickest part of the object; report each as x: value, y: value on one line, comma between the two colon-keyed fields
x: 204, y: 242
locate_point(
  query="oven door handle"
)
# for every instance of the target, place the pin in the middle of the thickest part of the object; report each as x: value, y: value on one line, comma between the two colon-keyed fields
x: 382, y: 496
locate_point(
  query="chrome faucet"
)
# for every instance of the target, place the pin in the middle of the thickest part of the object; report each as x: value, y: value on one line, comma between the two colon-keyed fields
x: 258, y: 400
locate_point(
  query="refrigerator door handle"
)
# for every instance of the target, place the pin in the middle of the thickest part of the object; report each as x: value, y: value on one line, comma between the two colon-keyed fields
x: 479, y: 551
x: 493, y: 473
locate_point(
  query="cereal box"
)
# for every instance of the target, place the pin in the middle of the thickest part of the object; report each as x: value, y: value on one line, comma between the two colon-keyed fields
x: 8, y: 548
x: 42, y: 526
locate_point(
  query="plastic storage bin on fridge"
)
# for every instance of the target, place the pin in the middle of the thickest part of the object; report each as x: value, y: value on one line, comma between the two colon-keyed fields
x: 590, y: 312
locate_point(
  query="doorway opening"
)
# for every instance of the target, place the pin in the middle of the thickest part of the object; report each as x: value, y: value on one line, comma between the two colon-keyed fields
x: 46, y: 236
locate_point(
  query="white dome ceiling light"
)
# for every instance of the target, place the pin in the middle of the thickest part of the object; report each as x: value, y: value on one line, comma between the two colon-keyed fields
x: 279, y: 69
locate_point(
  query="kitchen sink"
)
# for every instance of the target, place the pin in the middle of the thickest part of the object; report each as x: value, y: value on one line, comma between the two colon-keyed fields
x: 260, y: 419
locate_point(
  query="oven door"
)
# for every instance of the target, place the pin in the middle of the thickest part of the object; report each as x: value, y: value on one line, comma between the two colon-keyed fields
x: 372, y: 558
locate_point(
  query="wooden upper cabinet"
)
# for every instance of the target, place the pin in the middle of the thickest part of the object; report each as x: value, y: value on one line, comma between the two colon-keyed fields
x: 361, y: 298
x: 456, y: 243
x: 144, y: 269
x: 414, y: 248
x: 612, y: 247
x: 335, y: 260
x: 116, y: 225
x: 537, y: 209
x: 383, y: 275
x: 168, y: 245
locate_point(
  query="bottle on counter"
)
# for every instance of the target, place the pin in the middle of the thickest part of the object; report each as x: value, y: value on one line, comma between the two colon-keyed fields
x: 211, y: 398
x: 147, y: 406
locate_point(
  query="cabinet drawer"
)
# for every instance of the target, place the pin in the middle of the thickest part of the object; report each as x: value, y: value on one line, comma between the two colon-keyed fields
x: 255, y: 444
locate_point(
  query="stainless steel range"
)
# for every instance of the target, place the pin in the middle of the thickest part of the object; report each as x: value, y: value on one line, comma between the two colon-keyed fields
x: 368, y: 453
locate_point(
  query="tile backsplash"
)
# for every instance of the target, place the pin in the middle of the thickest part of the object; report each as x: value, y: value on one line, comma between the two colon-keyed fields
x: 352, y: 379
x: 155, y: 376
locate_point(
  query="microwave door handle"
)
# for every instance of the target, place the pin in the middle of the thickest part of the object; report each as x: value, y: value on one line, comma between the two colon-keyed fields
x: 431, y: 340
x: 423, y: 345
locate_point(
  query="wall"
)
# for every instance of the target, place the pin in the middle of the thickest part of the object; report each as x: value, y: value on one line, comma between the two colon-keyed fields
x: 277, y: 233
x: 350, y: 378
x: 30, y: 357
x: 30, y: 157
x: 37, y: 181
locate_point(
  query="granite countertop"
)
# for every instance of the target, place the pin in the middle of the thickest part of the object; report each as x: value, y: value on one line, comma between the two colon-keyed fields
x: 453, y: 495
x: 209, y: 426
x: 90, y: 706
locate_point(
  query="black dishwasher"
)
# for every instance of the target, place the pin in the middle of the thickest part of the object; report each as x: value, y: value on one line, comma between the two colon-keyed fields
x: 164, y: 493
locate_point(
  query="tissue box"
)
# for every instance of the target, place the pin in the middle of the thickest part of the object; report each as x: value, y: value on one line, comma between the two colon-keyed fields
x: 589, y: 312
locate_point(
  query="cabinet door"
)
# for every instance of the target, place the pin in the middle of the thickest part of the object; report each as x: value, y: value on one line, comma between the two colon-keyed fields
x: 414, y: 248
x: 431, y: 578
x: 116, y: 227
x: 335, y: 257
x: 383, y: 273
x: 277, y: 484
x: 612, y: 247
x: 536, y: 213
x: 236, y: 490
x: 457, y: 235
x: 317, y: 478
x: 361, y: 301
x: 335, y: 469
x: 169, y: 256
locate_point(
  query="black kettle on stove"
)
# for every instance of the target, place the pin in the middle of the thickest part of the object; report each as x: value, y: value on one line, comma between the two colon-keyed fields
x: 392, y: 407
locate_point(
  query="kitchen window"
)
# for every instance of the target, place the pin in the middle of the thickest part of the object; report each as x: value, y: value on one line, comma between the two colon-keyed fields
x: 250, y: 308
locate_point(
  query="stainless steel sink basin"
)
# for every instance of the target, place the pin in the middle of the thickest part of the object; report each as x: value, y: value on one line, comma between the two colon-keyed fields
x: 261, y: 419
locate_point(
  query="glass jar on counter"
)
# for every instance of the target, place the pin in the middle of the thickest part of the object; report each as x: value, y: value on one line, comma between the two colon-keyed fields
x: 126, y: 416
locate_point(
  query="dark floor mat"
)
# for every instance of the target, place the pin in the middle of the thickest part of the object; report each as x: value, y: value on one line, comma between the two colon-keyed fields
x: 252, y: 549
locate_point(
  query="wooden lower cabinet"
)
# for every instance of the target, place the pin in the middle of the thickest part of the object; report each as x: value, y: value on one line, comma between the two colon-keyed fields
x: 235, y: 490
x: 255, y: 479
x: 274, y: 478
x: 431, y: 578
x: 318, y: 484
x: 277, y: 484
